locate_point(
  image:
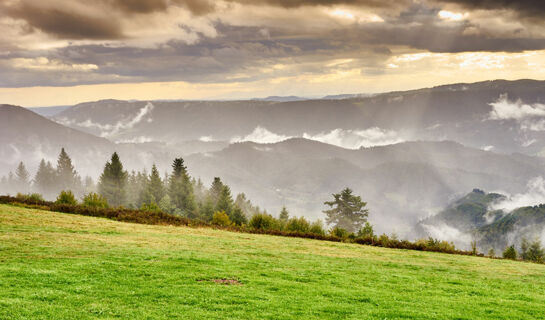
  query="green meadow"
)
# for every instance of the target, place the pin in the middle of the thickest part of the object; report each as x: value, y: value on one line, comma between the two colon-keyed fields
x: 62, y: 266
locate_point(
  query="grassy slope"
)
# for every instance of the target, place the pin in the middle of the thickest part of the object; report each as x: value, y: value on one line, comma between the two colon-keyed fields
x: 55, y: 266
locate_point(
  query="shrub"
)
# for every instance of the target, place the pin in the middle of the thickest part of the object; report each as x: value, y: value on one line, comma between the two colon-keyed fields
x: 30, y: 198
x: 383, y: 240
x: 298, y: 225
x: 263, y: 221
x: 366, y: 231
x: 221, y: 218
x: 535, y: 252
x: 317, y: 227
x: 339, y: 232
x: 150, y: 207
x: 66, y: 197
x: 95, y: 200
x: 510, y: 253
x: 238, y: 217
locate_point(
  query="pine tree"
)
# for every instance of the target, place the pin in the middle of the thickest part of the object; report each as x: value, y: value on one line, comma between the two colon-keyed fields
x: 154, y: 187
x: 225, y: 201
x: 215, y: 190
x: 44, y: 180
x: 67, y: 177
x: 113, y: 182
x: 347, y: 211
x: 238, y: 217
x: 22, y: 181
x: 284, y: 214
x: 180, y: 189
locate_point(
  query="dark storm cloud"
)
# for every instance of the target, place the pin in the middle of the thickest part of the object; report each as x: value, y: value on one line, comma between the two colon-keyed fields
x: 65, y: 23
x: 528, y: 8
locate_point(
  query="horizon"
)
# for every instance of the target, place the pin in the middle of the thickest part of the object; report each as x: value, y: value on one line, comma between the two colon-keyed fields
x: 250, y: 98
x: 55, y: 53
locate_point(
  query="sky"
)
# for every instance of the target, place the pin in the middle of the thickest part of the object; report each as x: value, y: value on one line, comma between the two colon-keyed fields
x: 58, y: 52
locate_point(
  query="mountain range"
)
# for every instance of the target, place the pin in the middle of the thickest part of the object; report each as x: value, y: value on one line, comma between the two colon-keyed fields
x: 408, y: 154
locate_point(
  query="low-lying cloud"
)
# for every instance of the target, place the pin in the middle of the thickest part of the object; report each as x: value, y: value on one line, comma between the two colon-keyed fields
x: 110, y: 130
x: 534, y: 195
x: 530, y: 117
x: 349, y: 139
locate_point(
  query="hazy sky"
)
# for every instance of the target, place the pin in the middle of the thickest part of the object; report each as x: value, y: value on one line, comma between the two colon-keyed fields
x: 55, y: 52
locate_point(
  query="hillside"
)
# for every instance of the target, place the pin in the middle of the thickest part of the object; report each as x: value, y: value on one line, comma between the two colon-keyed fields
x: 27, y: 136
x: 402, y: 183
x: 474, y: 216
x: 60, y: 266
x: 459, y: 112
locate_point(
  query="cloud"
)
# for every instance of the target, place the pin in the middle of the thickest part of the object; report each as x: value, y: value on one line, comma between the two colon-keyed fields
x: 261, y: 135
x: 448, y: 233
x: 44, y: 64
x: 355, y: 139
x: 535, y: 195
x: 529, y: 116
x: 525, y: 8
x: 349, y: 139
x: 111, y: 130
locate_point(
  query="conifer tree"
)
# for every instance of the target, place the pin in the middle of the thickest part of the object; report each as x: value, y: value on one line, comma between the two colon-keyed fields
x: 347, y: 211
x: 45, y: 179
x: 67, y: 177
x: 22, y: 178
x: 215, y: 190
x: 284, y: 214
x: 180, y: 189
x: 238, y: 217
x: 113, y: 182
x: 225, y: 201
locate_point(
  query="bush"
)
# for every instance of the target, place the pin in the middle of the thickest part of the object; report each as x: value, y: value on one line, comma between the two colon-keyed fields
x: 238, y: 217
x: 510, y: 253
x: 339, y: 232
x: 66, y: 197
x: 317, y: 227
x: 298, y: 225
x: 150, y: 207
x: 94, y: 200
x: 263, y: 221
x: 535, y: 252
x: 220, y: 218
x: 31, y: 197
x: 366, y: 231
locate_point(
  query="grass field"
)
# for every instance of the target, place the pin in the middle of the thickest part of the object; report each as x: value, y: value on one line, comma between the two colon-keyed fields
x: 61, y: 266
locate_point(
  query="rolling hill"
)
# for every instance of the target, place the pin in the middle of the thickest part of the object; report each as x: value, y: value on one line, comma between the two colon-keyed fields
x: 62, y: 266
x: 471, y: 114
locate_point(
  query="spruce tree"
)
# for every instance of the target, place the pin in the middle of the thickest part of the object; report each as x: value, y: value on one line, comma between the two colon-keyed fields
x: 67, y: 177
x: 155, y: 186
x: 347, y: 211
x: 22, y: 178
x: 215, y: 190
x: 284, y: 214
x: 113, y: 182
x: 225, y: 201
x: 180, y: 189
x: 45, y: 179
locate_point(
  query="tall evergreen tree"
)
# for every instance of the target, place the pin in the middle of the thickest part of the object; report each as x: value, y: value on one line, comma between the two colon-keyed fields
x: 347, y: 211
x: 22, y: 179
x: 180, y: 189
x: 225, y: 202
x: 154, y: 190
x: 284, y: 214
x: 113, y: 182
x: 215, y: 190
x: 67, y: 177
x: 45, y: 179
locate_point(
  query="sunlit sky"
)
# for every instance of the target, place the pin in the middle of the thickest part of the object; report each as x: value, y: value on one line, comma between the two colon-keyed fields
x: 57, y: 52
